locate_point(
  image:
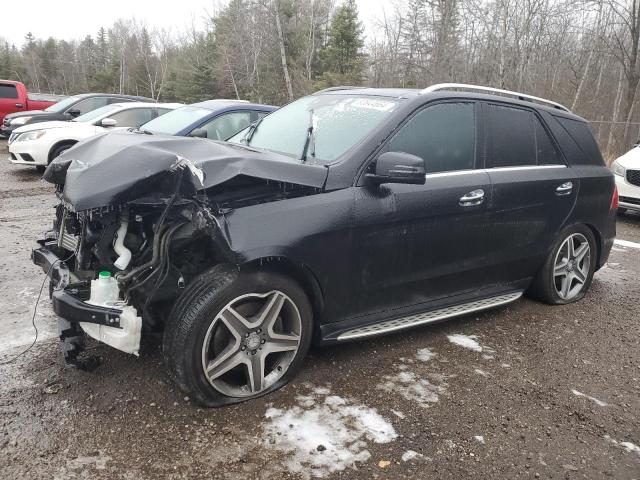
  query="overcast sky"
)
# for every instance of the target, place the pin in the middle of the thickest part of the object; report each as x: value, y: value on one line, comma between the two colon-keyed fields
x: 74, y: 19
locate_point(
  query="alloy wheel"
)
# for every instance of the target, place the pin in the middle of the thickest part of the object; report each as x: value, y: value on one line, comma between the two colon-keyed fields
x: 251, y: 343
x: 571, y: 266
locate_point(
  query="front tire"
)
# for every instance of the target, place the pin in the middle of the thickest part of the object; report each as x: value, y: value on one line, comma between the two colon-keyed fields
x: 233, y: 336
x: 568, y: 270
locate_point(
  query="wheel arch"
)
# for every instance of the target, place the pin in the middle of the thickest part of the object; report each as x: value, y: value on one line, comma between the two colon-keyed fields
x: 58, y: 144
x: 298, y: 272
x: 598, y: 236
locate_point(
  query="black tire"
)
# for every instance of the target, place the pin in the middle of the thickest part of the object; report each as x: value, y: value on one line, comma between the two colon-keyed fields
x: 194, y: 313
x: 57, y: 151
x: 544, y: 284
x: 40, y: 169
x: 621, y: 210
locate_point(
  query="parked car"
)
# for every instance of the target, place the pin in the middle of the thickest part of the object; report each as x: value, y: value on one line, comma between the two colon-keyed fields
x: 65, y: 110
x: 15, y: 98
x: 627, y: 175
x: 213, y: 119
x: 343, y: 215
x: 39, y: 143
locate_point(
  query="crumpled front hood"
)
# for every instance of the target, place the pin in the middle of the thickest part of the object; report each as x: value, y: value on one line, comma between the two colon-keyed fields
x: 117, y: 167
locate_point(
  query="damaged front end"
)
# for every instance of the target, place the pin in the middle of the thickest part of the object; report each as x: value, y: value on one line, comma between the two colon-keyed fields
x: 126, y: 240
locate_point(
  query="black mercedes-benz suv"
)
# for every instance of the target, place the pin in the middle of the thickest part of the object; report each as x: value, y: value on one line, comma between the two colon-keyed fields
x: 348, y: 213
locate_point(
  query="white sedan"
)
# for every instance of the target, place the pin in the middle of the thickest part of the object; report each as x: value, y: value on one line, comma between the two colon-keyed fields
x: 626, y: 170
x: 39, y: 143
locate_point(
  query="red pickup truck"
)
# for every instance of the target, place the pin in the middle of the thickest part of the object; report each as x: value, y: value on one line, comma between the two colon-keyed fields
x: 14, y: 98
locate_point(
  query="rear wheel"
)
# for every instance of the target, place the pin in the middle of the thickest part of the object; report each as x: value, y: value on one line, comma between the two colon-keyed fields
x: 236, y: 336
x: 568, y: 270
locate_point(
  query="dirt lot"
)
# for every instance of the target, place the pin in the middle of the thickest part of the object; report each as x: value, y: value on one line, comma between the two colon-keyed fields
x: 526, y: 391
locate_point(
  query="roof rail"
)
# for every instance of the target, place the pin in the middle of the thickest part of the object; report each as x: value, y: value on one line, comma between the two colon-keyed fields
x: 334, y: 89
x: 490, y: 90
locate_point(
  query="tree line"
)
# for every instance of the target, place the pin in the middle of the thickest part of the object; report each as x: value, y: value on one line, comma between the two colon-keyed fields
x: 582, y: 53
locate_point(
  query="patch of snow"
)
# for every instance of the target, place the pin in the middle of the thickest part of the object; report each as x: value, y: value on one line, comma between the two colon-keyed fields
x: 424, y: 355
x: 600, y: 403
x: 410, y: 455
x: 628, y: 446
x: 413, y: 388
x: 479, y: 439
x: 466, y: 341
x: 328, y: 436
x: 481, y: 372
x: 626, y: 243
x: 398, y: 414
x: 505, y: 365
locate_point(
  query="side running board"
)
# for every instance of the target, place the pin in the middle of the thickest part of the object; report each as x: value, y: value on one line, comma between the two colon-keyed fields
x: 429, y: 317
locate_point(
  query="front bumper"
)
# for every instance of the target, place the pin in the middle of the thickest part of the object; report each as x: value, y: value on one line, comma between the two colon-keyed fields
x: 27, y: 153
x: 6, y: 130
x: 629, y: 194
x: 68, y: 298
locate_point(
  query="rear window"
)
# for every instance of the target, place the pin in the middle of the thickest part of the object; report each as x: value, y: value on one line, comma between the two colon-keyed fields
x: 8, y: 91
x: 581, y: 133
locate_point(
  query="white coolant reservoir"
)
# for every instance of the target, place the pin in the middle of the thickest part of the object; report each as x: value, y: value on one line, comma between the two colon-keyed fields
x: 104, y: 292
x: 104, y: 289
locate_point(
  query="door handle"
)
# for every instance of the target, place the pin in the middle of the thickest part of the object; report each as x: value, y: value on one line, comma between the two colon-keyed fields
x: 475, y: 197
x: 565, y: 189
x: 19, y: 105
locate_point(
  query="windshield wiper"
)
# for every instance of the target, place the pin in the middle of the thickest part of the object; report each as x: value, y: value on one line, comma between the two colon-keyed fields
x: 310, y: 141
x: 246, y: 139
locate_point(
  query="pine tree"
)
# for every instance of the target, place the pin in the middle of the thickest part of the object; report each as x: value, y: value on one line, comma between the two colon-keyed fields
x: 342, y: 57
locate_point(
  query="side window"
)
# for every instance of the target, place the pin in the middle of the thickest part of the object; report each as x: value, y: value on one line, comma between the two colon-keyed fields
x: 162, y: 111
x: 442, y: 135
x: 133, y: 118
x: 512, y: 137
x: 227, y: 125
x: 89, y: 104
x: 8, y: 91
x: 546, y: 151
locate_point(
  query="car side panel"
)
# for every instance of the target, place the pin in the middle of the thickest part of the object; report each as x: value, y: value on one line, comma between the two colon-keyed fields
x: 314, y: 231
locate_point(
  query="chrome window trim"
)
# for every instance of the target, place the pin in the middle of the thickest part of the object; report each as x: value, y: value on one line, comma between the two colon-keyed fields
x: 489, y: 170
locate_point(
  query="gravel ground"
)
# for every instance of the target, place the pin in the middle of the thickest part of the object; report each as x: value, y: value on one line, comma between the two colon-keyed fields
x: 526, y: 391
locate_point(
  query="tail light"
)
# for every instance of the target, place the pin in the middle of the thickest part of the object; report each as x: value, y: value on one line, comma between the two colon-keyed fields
x: 615, y: 201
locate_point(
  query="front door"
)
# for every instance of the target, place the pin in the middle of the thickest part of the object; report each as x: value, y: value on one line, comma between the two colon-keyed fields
x: 420, y: 243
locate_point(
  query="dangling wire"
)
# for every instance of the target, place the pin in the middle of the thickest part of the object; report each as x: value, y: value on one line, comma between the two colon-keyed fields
x: 35, y: 309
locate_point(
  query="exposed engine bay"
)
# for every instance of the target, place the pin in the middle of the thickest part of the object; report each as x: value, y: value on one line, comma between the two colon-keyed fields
x: 134, y: 256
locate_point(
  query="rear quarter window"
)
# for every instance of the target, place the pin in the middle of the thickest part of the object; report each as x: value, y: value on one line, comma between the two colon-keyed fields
x: 579, y: 133
x: 8, y: 91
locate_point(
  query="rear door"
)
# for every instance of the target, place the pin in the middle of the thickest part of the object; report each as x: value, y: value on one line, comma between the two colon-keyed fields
x: 9, y: 100
x: 420, y: 243
x: 533, y: 191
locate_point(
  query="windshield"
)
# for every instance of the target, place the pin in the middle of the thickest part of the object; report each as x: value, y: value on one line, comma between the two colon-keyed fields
x: 97, y: 113
x: 338, y: 121
x: 175, y: 121
x: 62, y: 105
